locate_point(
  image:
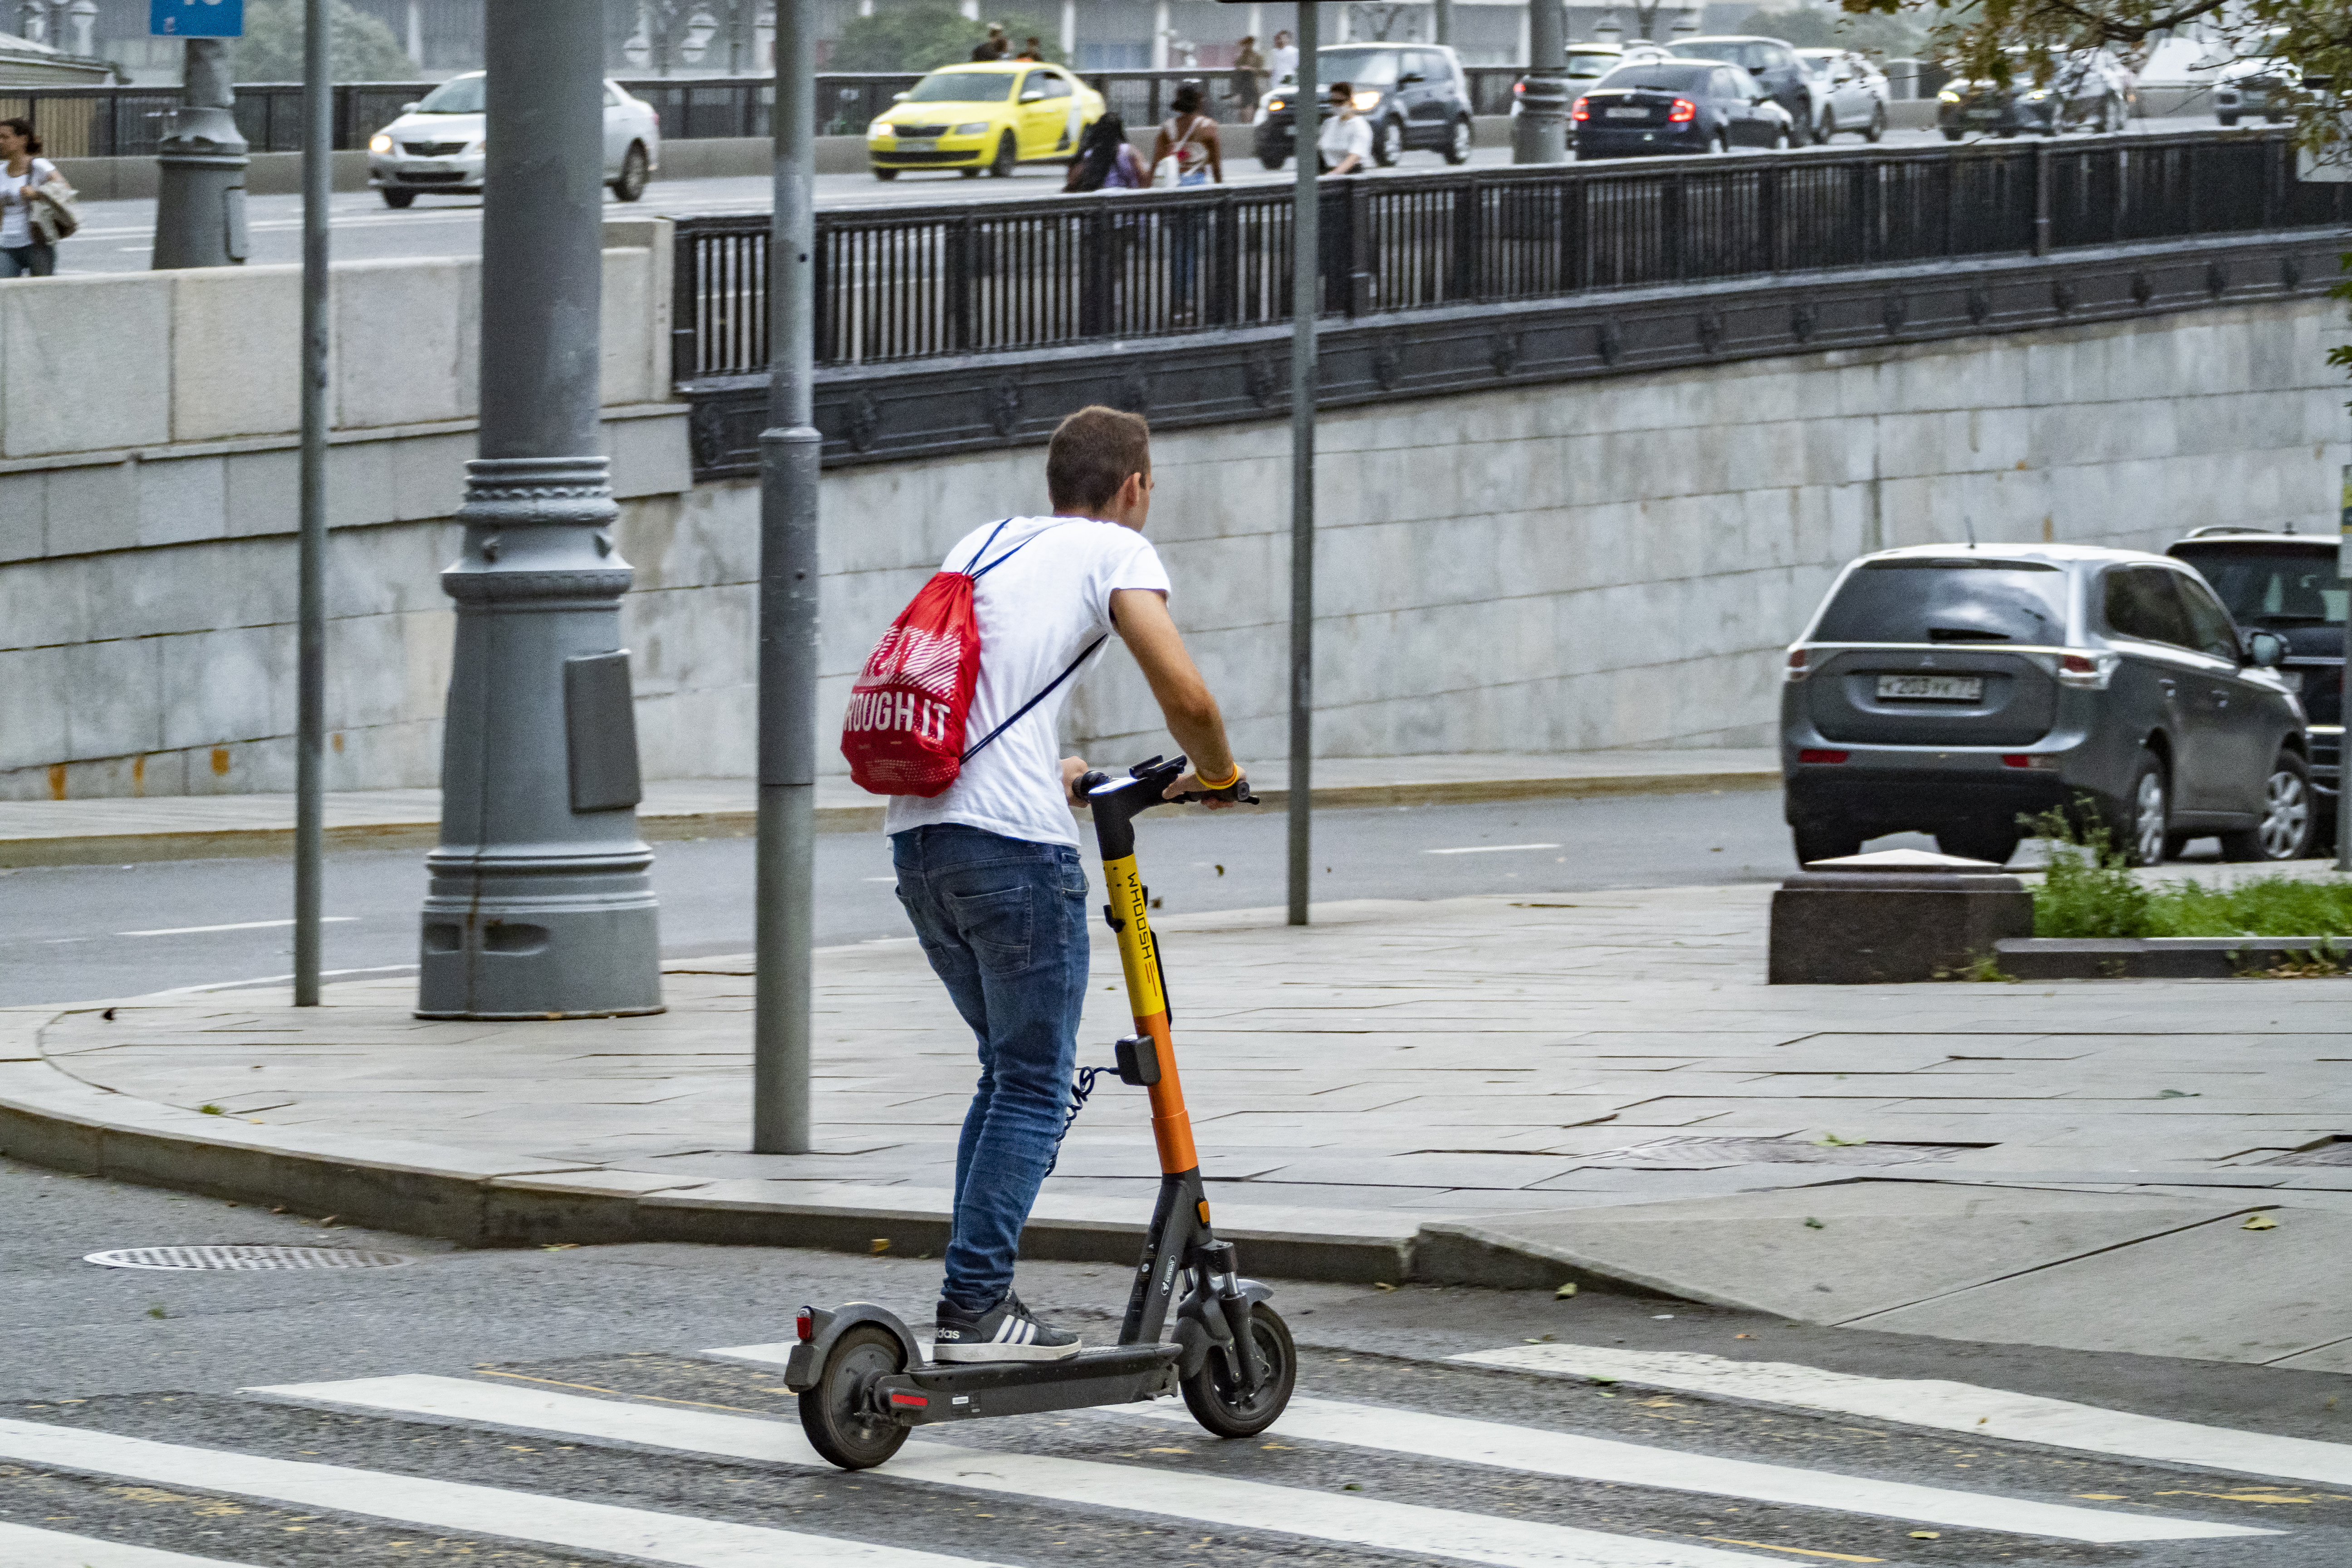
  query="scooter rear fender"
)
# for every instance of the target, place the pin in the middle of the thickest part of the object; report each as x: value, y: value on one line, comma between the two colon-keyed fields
x: 806, y: 1362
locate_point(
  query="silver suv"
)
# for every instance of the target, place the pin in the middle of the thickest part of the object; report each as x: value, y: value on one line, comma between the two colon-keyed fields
x: 1950, y: 689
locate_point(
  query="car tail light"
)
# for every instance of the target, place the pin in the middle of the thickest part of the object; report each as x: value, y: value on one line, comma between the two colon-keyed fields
x: 805, y: 1325
x: 2087, y: 671
x: 1796, y: 667
x: 1814, y: 754
x: 2029, y: 760
x: 1583, y: 110
x: 1683, y: 112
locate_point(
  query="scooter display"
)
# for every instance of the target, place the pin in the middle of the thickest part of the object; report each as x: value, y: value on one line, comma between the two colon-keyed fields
x: 862, y: 1379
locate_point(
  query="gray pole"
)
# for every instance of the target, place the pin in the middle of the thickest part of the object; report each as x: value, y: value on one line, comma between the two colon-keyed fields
x: 540, y: 904
x: 1306, y: 276
x: 784, y: 856
x: 2343, y: 682
x: 1539, y: 135
x: 1442, y: 21
x: 200, y: 173
x: 310, y: 659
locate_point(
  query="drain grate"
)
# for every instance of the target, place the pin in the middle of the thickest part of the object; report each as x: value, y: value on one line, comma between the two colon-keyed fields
x: 1714, y: 1153
x: 246, y: 1256
x: 2335, y: 1152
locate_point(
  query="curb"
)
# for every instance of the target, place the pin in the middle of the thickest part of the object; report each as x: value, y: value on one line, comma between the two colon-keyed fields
x: 2168, y: 957
x: 50, y: 1118
x: 235, y: 843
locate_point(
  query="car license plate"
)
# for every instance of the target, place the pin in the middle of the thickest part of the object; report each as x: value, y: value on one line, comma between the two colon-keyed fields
x: 918, y: 144
x: 1627, y: 113
x: 1932, y: 688
x: 1984, y: 114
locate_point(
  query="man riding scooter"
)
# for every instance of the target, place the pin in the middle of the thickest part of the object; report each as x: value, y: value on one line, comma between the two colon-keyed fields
x: 989, y: 869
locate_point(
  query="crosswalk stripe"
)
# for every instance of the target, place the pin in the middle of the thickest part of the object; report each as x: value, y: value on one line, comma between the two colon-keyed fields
x: 1943, y: 1406
x: 453, y: 1505
x: 22, y: 1546
x: 1208, y: 1499
x: 1395, y: 1431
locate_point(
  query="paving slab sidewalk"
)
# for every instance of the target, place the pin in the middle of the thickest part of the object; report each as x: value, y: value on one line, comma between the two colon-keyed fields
x: 1521, y: 1090
x: 193, y: 827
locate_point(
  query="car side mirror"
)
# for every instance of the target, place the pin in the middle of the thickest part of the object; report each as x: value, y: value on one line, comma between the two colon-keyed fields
x: 1761, y: 98
x: 1410, y: 79
x: 410, y: 107
x: 2265, y: 650
x: 1033, y: 97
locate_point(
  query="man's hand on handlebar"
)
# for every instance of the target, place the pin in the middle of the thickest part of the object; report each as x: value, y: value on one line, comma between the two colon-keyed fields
x: 1073, y: 770
x: 1188, y: 788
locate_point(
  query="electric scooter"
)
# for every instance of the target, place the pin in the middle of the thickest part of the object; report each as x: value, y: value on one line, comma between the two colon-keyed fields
x: 861, y: 1376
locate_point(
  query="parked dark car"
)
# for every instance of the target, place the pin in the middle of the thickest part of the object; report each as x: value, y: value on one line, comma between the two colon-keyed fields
x: 1948, y: 689
x: 1771, y: 62
x: 1414, y: 95
x: 1662, y: 106
x: 2286, y: 584
x: 2090, y: 90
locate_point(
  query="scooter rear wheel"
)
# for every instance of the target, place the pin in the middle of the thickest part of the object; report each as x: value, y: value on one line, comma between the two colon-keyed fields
x: 1216, y: 1399
x: 838, y: 1413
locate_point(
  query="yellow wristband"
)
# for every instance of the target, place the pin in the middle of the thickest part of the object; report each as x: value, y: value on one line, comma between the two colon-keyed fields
x: 1226, y: 783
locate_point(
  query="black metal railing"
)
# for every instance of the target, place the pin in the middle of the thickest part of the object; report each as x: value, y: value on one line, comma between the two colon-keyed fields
x: 903, y: 283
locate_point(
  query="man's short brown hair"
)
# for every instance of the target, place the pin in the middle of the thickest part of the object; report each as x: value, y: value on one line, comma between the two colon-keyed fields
x: 1093, y: 452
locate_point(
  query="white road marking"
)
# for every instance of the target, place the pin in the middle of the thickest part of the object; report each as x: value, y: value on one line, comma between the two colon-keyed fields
x: 22, y: 1546
x: 1488, y: 848
x: 1944, y: 1407
x: 1545, y: 1453
x: 452, y: 1505
x: 238, y: 925
x: 1206, y: 1499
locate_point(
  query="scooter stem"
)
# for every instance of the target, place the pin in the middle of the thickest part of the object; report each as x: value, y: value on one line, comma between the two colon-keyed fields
x: 1115, y: 803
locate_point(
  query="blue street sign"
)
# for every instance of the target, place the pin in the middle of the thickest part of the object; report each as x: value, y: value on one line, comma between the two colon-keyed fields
x: 195, y: 18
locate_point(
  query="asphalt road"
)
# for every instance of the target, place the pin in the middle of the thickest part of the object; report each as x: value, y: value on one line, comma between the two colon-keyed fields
x: 627, y: 1412
x: 119, y: 236
x: 76, y: 934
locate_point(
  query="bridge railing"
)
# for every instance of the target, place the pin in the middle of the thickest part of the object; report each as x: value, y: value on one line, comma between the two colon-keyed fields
x: 903, y: 283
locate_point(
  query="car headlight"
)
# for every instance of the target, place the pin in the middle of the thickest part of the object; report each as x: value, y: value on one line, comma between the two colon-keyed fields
x: 1277, y: 105
x: 879, y: 131
x: 476, y: 148
x: 1366, y: 102
x: 972, y: 128
x: 378, y: 143
x: 2037, y: 95
x: 1949, y: 95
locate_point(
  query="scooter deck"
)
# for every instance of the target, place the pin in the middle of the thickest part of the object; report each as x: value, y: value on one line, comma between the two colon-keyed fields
x: 1116, y: 1375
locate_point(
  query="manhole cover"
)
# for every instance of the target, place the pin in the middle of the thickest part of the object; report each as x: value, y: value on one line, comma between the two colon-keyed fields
x: 1713, y: 1153
x: 245, y: 1255
x: 2335, y: 1152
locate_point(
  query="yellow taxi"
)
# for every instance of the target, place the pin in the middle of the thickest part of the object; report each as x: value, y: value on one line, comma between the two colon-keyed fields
x: 988, y: 116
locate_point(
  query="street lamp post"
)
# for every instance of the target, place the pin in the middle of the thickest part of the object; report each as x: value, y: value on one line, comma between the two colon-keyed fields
x: 1539, y: 134
x: 785, y: 854
x: 540, y: 904
x: 310, y: 655
x: 200, y: 189
x: 1306, y: 276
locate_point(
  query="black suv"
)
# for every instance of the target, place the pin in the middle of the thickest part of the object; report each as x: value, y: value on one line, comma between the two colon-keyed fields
x: 1948, y: 689
x: 1773, y: 64
x: 1414, y: 95
x: 2286, y: 584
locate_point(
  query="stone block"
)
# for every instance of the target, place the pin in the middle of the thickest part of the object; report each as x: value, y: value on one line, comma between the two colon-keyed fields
x: 33, y: 695
x: 85, y: 365
x: 93, y: 507
x: 182, y: 500
x: 1874, y: 927
x: 405, y: 336
x: 428, y: 475
x: 42, y: 603
x: 234, y: 684
x: 649, y: 456
x: 361, y: 490
x: 626, y: 329
x: 237, y: 340
x: 264, y: 492
x: 23, y: 516
x: 116, y: 695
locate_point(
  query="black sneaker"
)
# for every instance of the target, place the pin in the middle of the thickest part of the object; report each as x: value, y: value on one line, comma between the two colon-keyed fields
x: 1006, y: 1332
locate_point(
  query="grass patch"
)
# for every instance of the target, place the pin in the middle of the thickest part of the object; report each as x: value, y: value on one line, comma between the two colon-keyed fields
x: 2086, y: 892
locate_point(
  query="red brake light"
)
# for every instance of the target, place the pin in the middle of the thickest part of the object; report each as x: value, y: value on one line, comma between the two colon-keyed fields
x: 2017, y: 760
x: 1581, y: 110
x: 805, y: 1326
x: 2077, y: 664
x: 1796, y: 658
x: 1683, y: 112
x: 1813, y: 754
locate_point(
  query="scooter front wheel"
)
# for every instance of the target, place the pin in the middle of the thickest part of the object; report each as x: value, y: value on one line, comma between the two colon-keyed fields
x: 1216, y: 1398
x: 838, y: 1414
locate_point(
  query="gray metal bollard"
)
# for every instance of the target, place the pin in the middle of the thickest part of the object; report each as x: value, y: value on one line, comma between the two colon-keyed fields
x: 1898, y: 915
x: 200, y: 190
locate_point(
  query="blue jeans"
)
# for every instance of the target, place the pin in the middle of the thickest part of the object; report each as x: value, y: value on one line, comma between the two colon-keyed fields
x: 1003, y: 922
x: 35, y: 260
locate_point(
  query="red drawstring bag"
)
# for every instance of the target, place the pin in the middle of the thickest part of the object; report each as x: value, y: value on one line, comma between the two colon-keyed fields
x: 904, y: 732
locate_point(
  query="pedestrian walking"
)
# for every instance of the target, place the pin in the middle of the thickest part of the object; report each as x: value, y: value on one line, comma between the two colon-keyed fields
x: 1033, y: 49
x: 28, y: 182
x: 1249, y: 76
x: 988, y: 869
x: 995, y: 47
x: 1285, y: 61
x: 1345, y: 146
x: 1107, y: 160
x: 1185, y: 152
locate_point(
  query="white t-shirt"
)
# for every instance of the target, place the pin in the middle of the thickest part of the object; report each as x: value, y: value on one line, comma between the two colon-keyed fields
x: 1285, y: 61
x: 16, y: 216
x: 1037, y: 611
x: 1343, y: 134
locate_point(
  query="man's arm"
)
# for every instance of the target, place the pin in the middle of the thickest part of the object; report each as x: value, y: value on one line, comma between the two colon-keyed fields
x: 1142, y: 618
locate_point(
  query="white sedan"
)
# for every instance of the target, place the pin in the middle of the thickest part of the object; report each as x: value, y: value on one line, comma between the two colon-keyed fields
x: 436, y: 143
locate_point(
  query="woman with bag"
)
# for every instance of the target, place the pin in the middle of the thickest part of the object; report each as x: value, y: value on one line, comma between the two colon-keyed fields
x: 29, y: 186
x: 1185, y: 152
